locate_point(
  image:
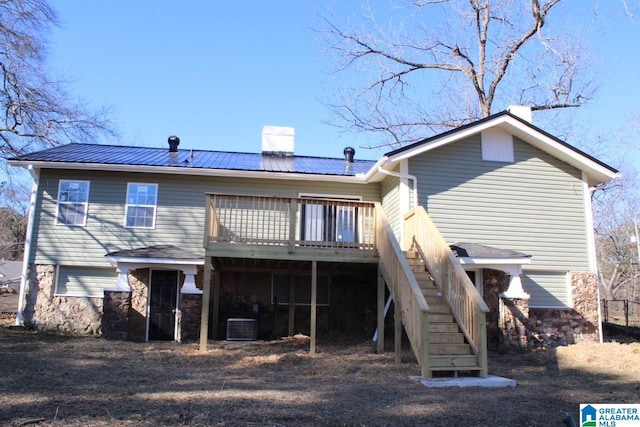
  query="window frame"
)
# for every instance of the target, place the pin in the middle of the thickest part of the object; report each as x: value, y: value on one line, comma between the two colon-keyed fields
x: 128, y: 205
x: 67, y: 202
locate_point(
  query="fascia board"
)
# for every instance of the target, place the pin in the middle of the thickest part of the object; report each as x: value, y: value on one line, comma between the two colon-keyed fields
x: 527, y: 134
x: 494, y: 261
x: 358, y: 179
x: 154, y: 261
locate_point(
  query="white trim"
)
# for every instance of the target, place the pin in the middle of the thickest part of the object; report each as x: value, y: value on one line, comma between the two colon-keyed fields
x: 588, y: 219
x: 479, y: 282
x: 57, y: 282
x: 189, y: 285
x: 494, y: 262
x: 596, y: 171
x: 170, y: 170
x: 155, y: 206
x: 35, y: 174
x: 67, y: 202
x: 122, y: 284
x: 330, y: 196
x: 148, y: 262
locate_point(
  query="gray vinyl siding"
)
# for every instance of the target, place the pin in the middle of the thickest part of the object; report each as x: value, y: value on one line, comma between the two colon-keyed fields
x: 179, y: 217
x: 391, y: 203
x: 534, y: 205
x: 84, y: 281
x: 547, y: 289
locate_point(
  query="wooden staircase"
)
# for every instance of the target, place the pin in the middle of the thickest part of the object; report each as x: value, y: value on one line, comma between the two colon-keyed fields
x: 449, y: 354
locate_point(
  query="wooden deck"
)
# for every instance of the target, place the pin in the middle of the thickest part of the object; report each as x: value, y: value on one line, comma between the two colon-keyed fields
x: 440, y: 309
x: 293, y: 229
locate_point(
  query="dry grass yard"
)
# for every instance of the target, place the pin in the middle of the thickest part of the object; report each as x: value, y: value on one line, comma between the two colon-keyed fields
x: 52, y: 380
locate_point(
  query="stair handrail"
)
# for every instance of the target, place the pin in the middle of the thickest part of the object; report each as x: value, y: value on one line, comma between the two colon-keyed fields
x: 464, y: 300
x: 405, y: 290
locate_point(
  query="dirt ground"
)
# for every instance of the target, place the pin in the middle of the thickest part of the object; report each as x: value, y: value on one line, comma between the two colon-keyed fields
x: 53, y: 380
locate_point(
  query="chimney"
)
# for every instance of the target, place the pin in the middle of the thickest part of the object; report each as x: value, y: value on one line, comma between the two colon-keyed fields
x: 521, y: 111
x: 349, y: 152
x: 174, y: 141
x: 277, y: 141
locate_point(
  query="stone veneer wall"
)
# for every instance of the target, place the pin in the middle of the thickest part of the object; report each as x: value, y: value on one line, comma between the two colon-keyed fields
x: 115, y: 316
x: 139, y: 282
x: 553, y: 327
x: 45, y: 311
x: 514, y: 326
x: 189, y: 322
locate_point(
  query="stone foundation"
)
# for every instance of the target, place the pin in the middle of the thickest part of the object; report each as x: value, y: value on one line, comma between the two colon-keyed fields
x: 45, y: 311
x: 189, y: 320
x: 115, y: 316
x: 513, y: 322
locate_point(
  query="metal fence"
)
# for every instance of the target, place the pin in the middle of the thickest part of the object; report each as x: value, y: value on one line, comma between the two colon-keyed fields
x: 622, y: 312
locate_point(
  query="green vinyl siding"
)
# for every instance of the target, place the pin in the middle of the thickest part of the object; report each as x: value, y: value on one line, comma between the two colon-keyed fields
x: 179, y: 217
x: 547, y: 289
x: 391, y: 203
x: 84, y: 281
x: 534, y: 205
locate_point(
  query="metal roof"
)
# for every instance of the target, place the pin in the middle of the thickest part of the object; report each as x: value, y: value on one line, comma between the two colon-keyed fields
x: 195, y: 159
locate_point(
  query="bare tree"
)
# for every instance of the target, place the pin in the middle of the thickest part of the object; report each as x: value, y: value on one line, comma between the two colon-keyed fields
x: 36, y: 111
x: 473, y: 54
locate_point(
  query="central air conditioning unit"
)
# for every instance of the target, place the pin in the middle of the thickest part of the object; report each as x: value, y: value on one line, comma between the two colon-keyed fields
x: 242, y: 330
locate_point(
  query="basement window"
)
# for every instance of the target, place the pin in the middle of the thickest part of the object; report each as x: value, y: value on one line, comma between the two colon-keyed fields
x: 497, y: 146
x: 280, y: 289
x: 142, y: 200
x: 73, y: 202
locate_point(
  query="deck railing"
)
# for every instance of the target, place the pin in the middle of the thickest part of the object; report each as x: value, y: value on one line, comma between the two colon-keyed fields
x: 406, y: 292
x: 466, y: 303
x: 291, y: 222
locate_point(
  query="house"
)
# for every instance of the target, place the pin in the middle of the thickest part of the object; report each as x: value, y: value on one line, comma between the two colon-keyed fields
x: 482, y: 236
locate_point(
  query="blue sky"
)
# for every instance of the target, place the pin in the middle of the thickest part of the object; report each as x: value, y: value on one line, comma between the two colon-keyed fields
x: 214, y: 73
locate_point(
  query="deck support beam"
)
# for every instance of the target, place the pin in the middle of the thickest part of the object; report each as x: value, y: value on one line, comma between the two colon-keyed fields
x: 216, y: 304
x: 397, y: 331
x: 204, y: 313
x: 380, y: 303
x: 314, y: 298
x: 292, y: 302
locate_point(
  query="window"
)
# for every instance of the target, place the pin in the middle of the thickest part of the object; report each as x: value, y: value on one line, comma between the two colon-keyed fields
x: 73, y: 202
x: 280, y: 294
x: 142, y: 200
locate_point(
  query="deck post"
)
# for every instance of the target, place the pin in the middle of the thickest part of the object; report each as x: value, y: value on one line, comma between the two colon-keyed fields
x: 204, y: 313
x: 293, y: 221
x: 397, y: 332
x: 216, y: 304
x: 292, y: 302
x: 314, y: 295
x: 380, y: 340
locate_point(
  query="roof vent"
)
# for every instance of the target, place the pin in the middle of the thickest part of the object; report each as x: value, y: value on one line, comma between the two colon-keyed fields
x: 174, y: 141
x: 349, y: 152
x: 277, y: 141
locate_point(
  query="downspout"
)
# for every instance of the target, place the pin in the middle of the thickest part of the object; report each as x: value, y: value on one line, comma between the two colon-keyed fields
x: 405, y: 176
x: 35, y: 174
